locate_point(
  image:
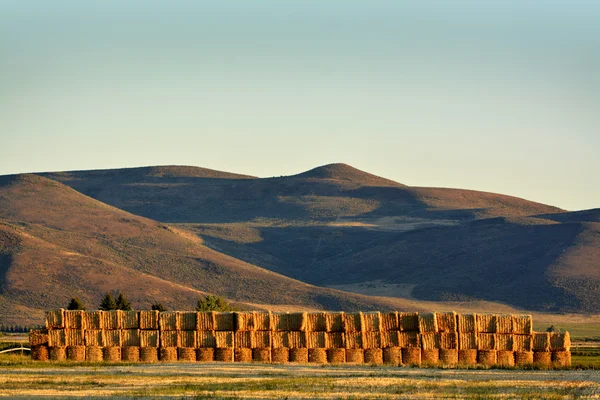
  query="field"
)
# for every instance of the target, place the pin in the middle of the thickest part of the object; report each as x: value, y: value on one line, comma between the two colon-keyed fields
x: 23, y: 378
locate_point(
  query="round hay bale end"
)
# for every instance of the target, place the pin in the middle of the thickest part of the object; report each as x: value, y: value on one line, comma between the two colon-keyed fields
x: 57, y: 353
x: 148, y: 354
x: 93, y: 353
x: 130, y: 353
x: 449, y: 357
x: 487, y: 357
x: 111, y: 353
x: 411, y: 356
x: 280, y: 355
x: 561, y: 358
x: 355, y: 356
x: 299, y: 355
x: 392, y: 355
x: 523, y: 358
x: 224, y: 354
x: 206, y: 354
x: 506, y: 358
x: 542, y: 358
x: 336, y: 356
x: 76, y: 353
x: 467, y: 357
x: 186, y: 354
x: 261, y: 354
x: 374, y: 356
x: 318, y: 356
x: 39, y: 353
x: 430, y: 357
x: 168, y: 354
x: 243, y: 354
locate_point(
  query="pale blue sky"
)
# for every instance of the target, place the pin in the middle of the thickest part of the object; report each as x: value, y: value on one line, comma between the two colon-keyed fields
x: 501, y: 96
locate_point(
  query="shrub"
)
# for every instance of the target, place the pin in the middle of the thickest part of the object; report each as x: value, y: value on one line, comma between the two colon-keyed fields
x: 213, y: 303
x: 75, y: 304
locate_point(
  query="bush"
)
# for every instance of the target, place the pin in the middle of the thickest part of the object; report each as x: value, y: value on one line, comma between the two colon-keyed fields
x: 158, y: 307
x: 108, y: 303
x: 213, y: 303
x: 123, y: 303
x: 75, y: 304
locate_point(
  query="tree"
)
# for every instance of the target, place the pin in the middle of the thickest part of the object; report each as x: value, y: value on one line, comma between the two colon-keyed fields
x: 213, y: 303
x: 75, y: 304
x: 551, y: 328
x: 123, y: 303
x: 158, y: 307
x: 108, y: 303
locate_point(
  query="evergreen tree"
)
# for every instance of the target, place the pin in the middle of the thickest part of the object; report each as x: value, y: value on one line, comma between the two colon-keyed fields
x: 123, y: 303
x: 75, y: 304
x: 213, y: 303
x: 158, y: 307
x: 108, y: 303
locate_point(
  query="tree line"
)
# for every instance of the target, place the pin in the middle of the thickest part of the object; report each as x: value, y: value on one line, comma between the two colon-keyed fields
x: 109, y: 302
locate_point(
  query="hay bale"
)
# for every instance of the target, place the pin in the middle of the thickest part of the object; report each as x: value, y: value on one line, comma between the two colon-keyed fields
x: 167, y: 321
x: 243, y: 354
x: 130, y: 338
x: 409, y: 321
x: 39, y: 353
x: 112, y: 319
x: 316, y: 322
x: 504, y: 342
x: 336, y: 356
x: 355, y: 356
x: 446, y: 321
x: 296, y: 322
x: 486, y: 341
x: 205, y: 321
x: 75, y: 337
x: 76, y: 353
x: 169, y: 339
x: 55, y: 319
x: 486, y: 323
x: 262, y: 321
x: 522, y: 324
x: 94, y: 354
x: 299, y: 355
x: 187, y: 339
x: 111, y: 338
x: 542, y: 358
x: 430, y: 341
x: 186, y: 320
x: 371, y: 340
x: 206, y: 339
x: 111, y: 353
x: 186, y: 354
x: 392, y: 355
x: 523, y: 342
x: 37, y: 338
x: 94, y: 337
x: 449, y: 357
x: 279, y: 321
x: 354, y: 340
x: 92, y: 320
x: 430, y: 357
x: 149, y: 320
x: 561, y: 358
x: 148, y: 354
x: 504, y: 323
x: 389, y: 339
x: 428, y: 323
x: 409, y: 339
x: 560, y: 341
x: 374, y: 356
x: 57, y: 353
x: 467, y: 341
x: 224, y: 321
x: 297, y: 340
x: 334, y: 322
x: 466, y: 323
x: 506, y: 358
x: 130, y: 320
x: 449, y: 340
x: 262, y: 339
x: 206, y: 354
x: 411, y: 356
x: 280, y: 339
x: 317, y: 356
x: 371, y: 321
x: 352, y: 322
x: 280, y: 355
x: 389, y: 321
x: 224, y: 339
x: 244, y: 321
x: 467, y: 357
x: 335, y: 340
x: 57, y: 338
x: 130, y: 353
x: 316, y: 340
x: 168, y: 354
x: 541, y: 341
x: 149, y: 339
x: 261, y: 354
x: 523, y: 358
x: 244, y: 339
x: 487, y: 357
x: 73, y: 319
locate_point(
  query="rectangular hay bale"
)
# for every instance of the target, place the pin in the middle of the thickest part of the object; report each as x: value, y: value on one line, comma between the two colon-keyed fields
x: 354, y: 340
x: 316, y: 340
x: 55, y: 319
x: 389, y: 321
x: 224, y: 339
x: 522, y: 324
x: 560, y: 341
x: 430, y: 341
x: 94, y: 337
x: 371, y: 321
x: 149, y: 338
x: 428, y: 322
x: 167, y: 321
x: 130, y: 319
x: 541, y: 341
x: 207, y: 339
x: 262, y: 320
x: 92, y: 319
x: 205, y: 321
x: 504, y: 323
x: 486, y: 341
x: 186, y: 321
x: 262, y: 339
x: 112, y: 319
x: 73, y: 319
x: 467, y: 341
x: 335, y: 340
x: 504, y: 342
x: 352, y: 322
x: 169, y: 339
x: 75, y: 337
x: 187, y: 338
x: 449, y: 340
x: 297, y: 340
x: 486, y: 323
x: 523, y: 342
x: 371, y: 340
x: 57, y: 338
x: 446, y: 321
x: 130, y: 338
x: 409, y: 339
x: 334, y: 322
x: 315, y: 322
x: 244, y: 321
x: 466, y: 323
x: 111, y: 338
x: 149, y: 320
x: 279, y: 321
x: 244, y: 339
x: 280, y: 339
x: 224, y: 321
x: 389, y: 339
x: 409, y: 321
x: 296, y: 321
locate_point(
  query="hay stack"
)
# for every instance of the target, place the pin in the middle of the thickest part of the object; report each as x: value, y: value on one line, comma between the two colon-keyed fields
x: 280, y: 339
x: 167, y: 321
x: 428, y: 323
x: 487, y: 357
x: 355, y: 356
x: 111, y: 338
x: 430, y: 341
x: 504, y: 323
x: 186, y: 320
x: 334, y: 322
x: 149, y: 339
x: 206, y: 339
x: 449, y: 340
x: 409, y: 339
x: 374, y: 356
x: 541, y: 341
x: 262, y: 321
x: 299, y: 355
x: 389, y: 339
x: 262, y: 339
x: 561, y: 358
x: 523, y: 342
x: 411, y: 356
x: 73, y: 319
x: 446, y: 321
x: 316, y: 322
x: 169, y: 339
x: 112, y: 319
x: 296, y: 322
x: 335, y: 340
x: 187, y: 339
x: 244, y: 339
x: 93, y: 353
x: 186, y: 354
x: 354, y: 340
x: 542, y: 358
x: 205, y: 321
x: 297, y: 340
x: 148, y: 354
x: 486, y: 341
x: 261, y: 354
x: 392, y: 355
x: 168, y: 354
x: 94, y: 337
x: 336, y: 356
x: 279, y: 321
x: 243, y: 354
x: 316, y: 340
x: 430, y: 357
x: 130, y: 353
x: 352, y: 322
x: 74, y: 337
x: 506, y: 358
x: 130, y: 338
x: 449, y: 357
x: 389, y: 321
x: 523, y: 358
x: 130, y: 320
x: 224, y: 321
x: 92, y: 319
x: 522, y: 324
x: 371, y: 340
x: 111, y: 353
x: 560, y: 342
x: 57, y: 338
x: 371, y: 321
x: 149, y: 320
x: 55, y: 319
x: 205, y: 354
x: 57, y: 353
x: 244, y: 321
x: 466, y: 323
x: 485, y: 323
x: 76, y: 353
x: 39, y: 353
x: 467, y: 341
x: 504, y: 342
x: 467, y: 356
x: 224, y: 339
x: 280, y: 355
x: 409, y: 321
x: 37, y: 338
x: 317, y: 356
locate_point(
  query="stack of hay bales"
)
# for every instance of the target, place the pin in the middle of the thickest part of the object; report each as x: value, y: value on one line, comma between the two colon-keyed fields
x: 111, y: 324
x: 409, y: 338
x: 149, y: 335
x: 130, y: 336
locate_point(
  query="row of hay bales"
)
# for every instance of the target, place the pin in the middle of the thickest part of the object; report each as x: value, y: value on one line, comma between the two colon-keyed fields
x: 375, y: 338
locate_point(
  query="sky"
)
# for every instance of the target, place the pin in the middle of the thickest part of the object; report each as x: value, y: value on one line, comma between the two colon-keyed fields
x: 499, y: 96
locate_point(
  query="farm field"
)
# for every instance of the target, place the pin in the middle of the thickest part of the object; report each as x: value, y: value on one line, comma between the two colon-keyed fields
x: 22, y: 378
